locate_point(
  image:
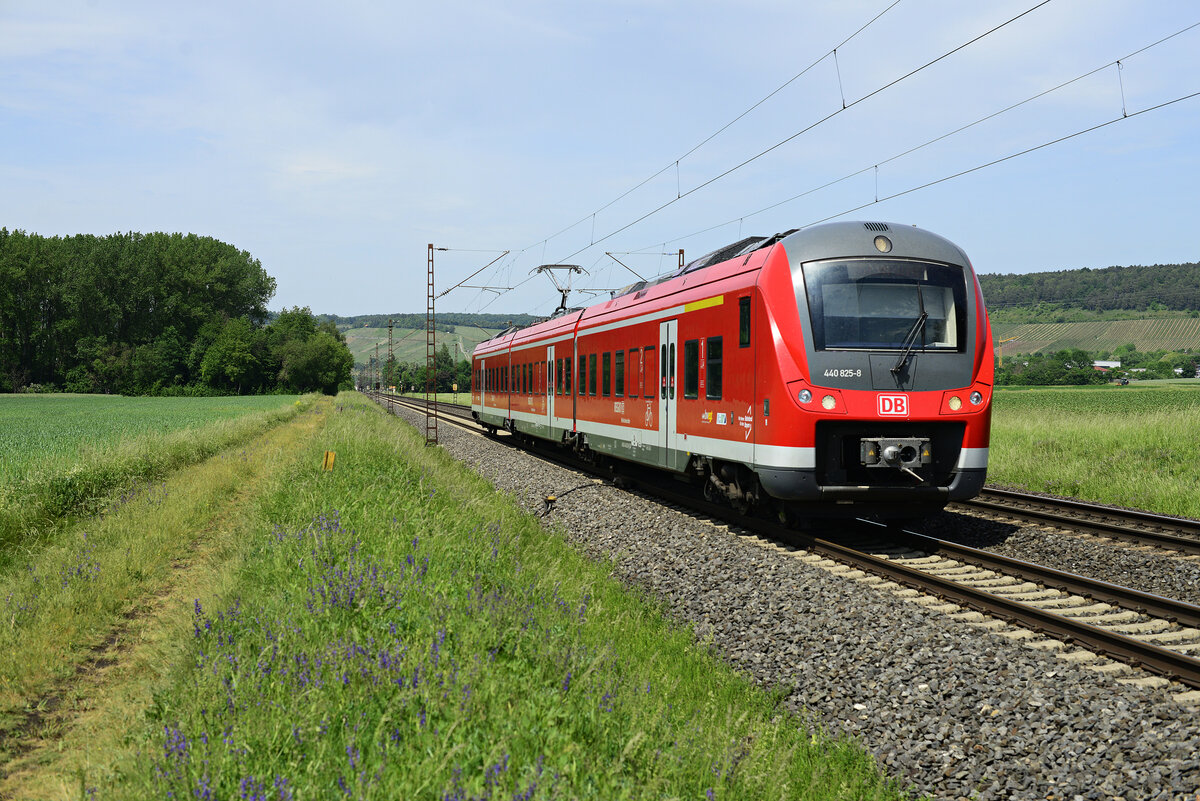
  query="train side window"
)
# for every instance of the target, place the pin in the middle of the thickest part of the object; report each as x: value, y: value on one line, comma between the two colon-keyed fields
x: 744, y: 322
x: 558, y: 376
x: 633, y: 383
x: 691, y: 369
x: 529, y: 379
x: 712, y: 368
x: 567, y: 376
x: 662, y: 387
x: 582, y: 376
x: 619, y: 374
x: 591, y: 374
x: 671, y: 375
x: 606, y: 375
x: 648, y: 369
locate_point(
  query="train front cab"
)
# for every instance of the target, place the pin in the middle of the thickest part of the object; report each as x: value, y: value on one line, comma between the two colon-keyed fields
x: 883, y: 387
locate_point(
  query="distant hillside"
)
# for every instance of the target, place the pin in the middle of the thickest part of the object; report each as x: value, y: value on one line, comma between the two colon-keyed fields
x: 460, y: 332
x: 408, y: 344
x: 442, y: 322
x: 1163, y: 333
x: 1160, y: 287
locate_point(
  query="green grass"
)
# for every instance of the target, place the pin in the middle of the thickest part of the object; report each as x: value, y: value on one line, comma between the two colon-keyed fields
x: 1131, y: 446
x: 41, y: 431
x: 66, y: 454
x: 400, y: 630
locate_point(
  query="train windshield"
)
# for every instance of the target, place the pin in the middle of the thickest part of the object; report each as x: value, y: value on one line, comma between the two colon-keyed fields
x: 879, y: 304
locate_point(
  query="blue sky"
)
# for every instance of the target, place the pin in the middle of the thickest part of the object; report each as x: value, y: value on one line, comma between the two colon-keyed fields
x: 334, y: 141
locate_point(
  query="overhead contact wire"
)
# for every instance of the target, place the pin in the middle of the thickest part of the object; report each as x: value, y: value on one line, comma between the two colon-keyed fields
x: 935, y: 140
x: 810, y: 127
x: 727, y: 125
x: 1011, y: 156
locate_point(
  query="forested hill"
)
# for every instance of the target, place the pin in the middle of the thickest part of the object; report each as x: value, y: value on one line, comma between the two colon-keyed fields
x: 1160, y: 287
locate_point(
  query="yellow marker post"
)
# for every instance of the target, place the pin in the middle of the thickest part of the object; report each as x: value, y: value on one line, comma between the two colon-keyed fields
x: 328, y: 463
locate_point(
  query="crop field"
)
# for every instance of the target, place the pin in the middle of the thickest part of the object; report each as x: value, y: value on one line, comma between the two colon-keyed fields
x: 38, y: 431
x: 1131, y: 446
x: 66, y: 455
x: 1177, y: 333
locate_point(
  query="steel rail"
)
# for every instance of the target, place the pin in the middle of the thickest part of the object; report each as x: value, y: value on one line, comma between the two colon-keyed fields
x: 1163, y: 661
x: 1122, y: 524
x: 1146, y: 603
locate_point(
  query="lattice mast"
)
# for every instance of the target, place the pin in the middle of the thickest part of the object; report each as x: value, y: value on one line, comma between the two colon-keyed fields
x: 431, y: 433
x: 389, y: 369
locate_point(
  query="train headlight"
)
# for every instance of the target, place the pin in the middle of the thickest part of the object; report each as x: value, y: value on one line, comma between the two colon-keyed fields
x: 804, y: 396
x: 828, y: 402
x: 976, y: 397
x: 955, y: 403
x: 883, y: 244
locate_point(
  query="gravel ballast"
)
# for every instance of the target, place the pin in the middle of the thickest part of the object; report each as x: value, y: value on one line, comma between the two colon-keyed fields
x: 953, y: 710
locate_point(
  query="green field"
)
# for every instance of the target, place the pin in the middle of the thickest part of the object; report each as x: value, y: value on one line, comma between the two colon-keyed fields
x: 1131, y: 446
x: 38, y: 431
x: 66, y: 454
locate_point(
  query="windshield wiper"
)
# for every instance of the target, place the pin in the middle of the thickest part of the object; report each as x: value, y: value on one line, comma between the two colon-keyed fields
x: 910, y: 340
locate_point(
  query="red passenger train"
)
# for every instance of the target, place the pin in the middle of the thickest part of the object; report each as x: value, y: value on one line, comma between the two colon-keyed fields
x: 840, y: 369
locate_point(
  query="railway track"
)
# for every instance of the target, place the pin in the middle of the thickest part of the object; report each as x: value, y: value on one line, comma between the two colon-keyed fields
x: 1131, y: 627
x: 1130, y: 525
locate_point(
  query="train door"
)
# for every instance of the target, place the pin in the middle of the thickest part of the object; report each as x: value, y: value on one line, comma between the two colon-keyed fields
x: 668, y: 336
x: 549, y: 387
x: 483, y: 383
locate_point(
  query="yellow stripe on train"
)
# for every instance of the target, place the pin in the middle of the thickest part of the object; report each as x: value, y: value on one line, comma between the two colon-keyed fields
x: 704, y: 304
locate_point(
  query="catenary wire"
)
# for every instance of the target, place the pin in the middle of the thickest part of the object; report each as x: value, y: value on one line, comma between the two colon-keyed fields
x: 675, y: 162
x: 928, y: 143
x: 806, y: 129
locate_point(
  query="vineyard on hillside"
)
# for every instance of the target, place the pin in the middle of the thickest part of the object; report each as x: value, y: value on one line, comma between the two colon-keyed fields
x: 1180, y: 333
x: 408, y: 344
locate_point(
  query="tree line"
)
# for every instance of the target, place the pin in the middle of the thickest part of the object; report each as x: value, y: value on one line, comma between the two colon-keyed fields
x: 156, y: 313
x: 1074, y: 367
x: 411, y: 376
x: 1160, y: 287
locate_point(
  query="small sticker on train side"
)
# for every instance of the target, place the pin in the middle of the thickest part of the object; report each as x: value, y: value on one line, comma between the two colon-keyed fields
x: 893, y: 405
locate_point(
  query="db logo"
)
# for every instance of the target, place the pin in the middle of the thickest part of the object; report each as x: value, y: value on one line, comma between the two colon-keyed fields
x: 893, y: 405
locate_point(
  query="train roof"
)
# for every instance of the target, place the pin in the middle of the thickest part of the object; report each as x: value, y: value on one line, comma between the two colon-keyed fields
x: 849, y: 239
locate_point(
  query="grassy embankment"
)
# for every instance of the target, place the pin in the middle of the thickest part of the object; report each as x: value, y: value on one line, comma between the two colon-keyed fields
x: 64, y: 454
x: 396, y: 629
x: 1131, y: 446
